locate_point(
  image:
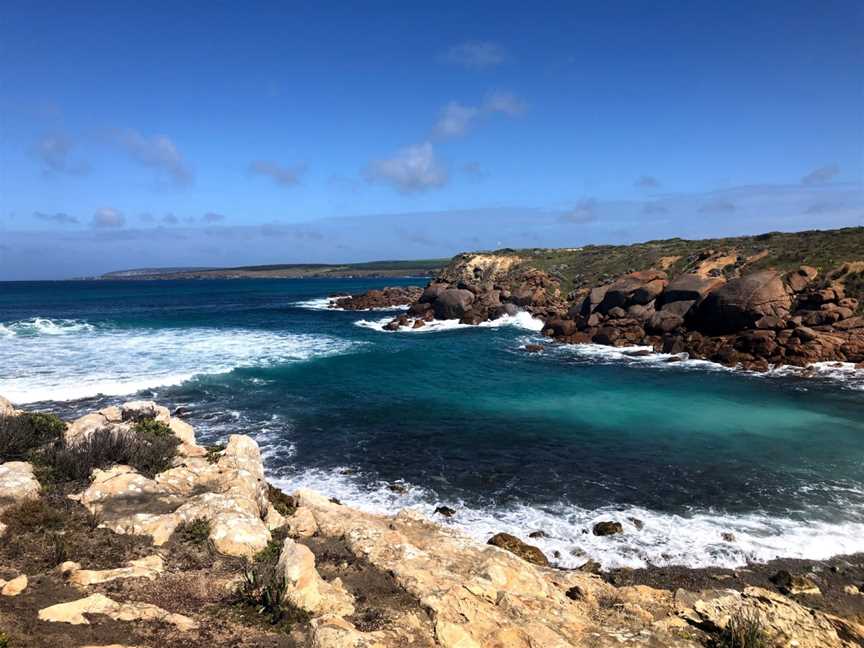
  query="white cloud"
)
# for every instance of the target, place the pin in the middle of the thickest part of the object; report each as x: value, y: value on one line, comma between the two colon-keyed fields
x: 457, y: 119
x: 158, y: 152
x: 412, y: 169
x: 213, y: 217
x: 821, y: 175
x: 505, y: 103
x: 106, y: 217
x: 54, y: 151
x: 285, y: 176
x: 476, y: 55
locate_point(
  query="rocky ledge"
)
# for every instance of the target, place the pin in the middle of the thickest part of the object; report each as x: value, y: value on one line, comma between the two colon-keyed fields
x: 716, y: 309
x: 383, y: 298
x: 204, y: 552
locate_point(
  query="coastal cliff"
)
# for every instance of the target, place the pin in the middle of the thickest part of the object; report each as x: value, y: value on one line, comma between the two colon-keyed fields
x: 752, y: 302
x: 195, y: 548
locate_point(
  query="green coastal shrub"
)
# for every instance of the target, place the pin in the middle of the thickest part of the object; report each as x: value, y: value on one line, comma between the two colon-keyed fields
x: 196, y: 532
x: 149, y: 448
x: 20, y: 435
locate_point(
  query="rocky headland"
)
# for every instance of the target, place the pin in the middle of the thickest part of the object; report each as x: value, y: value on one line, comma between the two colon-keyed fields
x: 752, y: 302
x: 165, y: 542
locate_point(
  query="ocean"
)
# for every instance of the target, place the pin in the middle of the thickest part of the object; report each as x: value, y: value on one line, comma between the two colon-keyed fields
x: 464, y: 416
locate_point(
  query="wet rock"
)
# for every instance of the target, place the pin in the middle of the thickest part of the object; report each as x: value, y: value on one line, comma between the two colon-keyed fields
x: 726, y: 536
x: 590, y: 567
x: 639, y: 524
x: 515, y: 546
x: 446, y: 511
x: 399, y: 489
x: 538, y: 534
x: 607, y: 528
x: 534, y: 348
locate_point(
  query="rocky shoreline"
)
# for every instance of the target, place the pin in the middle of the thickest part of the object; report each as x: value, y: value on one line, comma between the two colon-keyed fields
x: 199, y: 549
x: 717, y: 310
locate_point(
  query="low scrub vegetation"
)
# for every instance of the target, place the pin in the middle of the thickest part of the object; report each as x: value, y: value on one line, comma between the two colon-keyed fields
x: 43, y: 533
x: 149, y: 448
x: 260, y: 597
x: 284, y: 504
x: 744, y: 630
x: 22, y: 434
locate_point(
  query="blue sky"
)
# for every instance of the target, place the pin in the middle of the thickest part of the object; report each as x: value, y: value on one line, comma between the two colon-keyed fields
x: 229, y: 133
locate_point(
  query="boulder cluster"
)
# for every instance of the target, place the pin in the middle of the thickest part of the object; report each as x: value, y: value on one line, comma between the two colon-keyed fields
x: 756, y: 321
x: 390, y: 297
x: 478, y: 288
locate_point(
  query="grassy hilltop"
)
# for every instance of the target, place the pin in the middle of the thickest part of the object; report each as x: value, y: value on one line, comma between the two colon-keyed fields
x: 592, y: 265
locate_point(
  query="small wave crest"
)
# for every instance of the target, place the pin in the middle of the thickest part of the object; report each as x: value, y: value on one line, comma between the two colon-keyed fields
x: 87, y: 361
x: 664, y: 538
x: 44, y: 326
x: 845, y: 373
x: 521, y: 320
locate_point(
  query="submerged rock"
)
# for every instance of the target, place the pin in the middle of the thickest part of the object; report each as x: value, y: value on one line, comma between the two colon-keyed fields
x: 446, y: 511
x: 607, y: 528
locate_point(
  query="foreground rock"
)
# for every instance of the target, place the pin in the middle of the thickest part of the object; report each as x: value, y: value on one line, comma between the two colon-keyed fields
x: 75, y: 612
x: 17, y: 484
x: 231, y: 493
x: 349, y: 579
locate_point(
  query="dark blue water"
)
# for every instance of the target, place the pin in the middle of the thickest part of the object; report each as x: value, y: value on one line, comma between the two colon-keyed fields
x: 463, y: 416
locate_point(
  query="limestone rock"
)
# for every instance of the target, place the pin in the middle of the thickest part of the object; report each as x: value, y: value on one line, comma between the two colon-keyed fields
x: 302, y: 524
x: 73, y: 612
x: 149, y: 568
x: 304, y: 586
x: 6, y: 408
x: 785, y: 622
x: 15, y: 586
x: 17, y: 483
x: 234, y: 499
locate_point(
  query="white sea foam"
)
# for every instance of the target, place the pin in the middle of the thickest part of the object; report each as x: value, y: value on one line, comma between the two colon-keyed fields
x: 844, y: 373
x: 664, y: 539
x: 521, y: 320
x: 37, y: 363
x: 44, y: 326
x: 319, y: 303
x: 328, y: 303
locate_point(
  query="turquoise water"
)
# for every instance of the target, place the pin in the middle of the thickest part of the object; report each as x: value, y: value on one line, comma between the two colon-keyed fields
x: 463, y: 416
